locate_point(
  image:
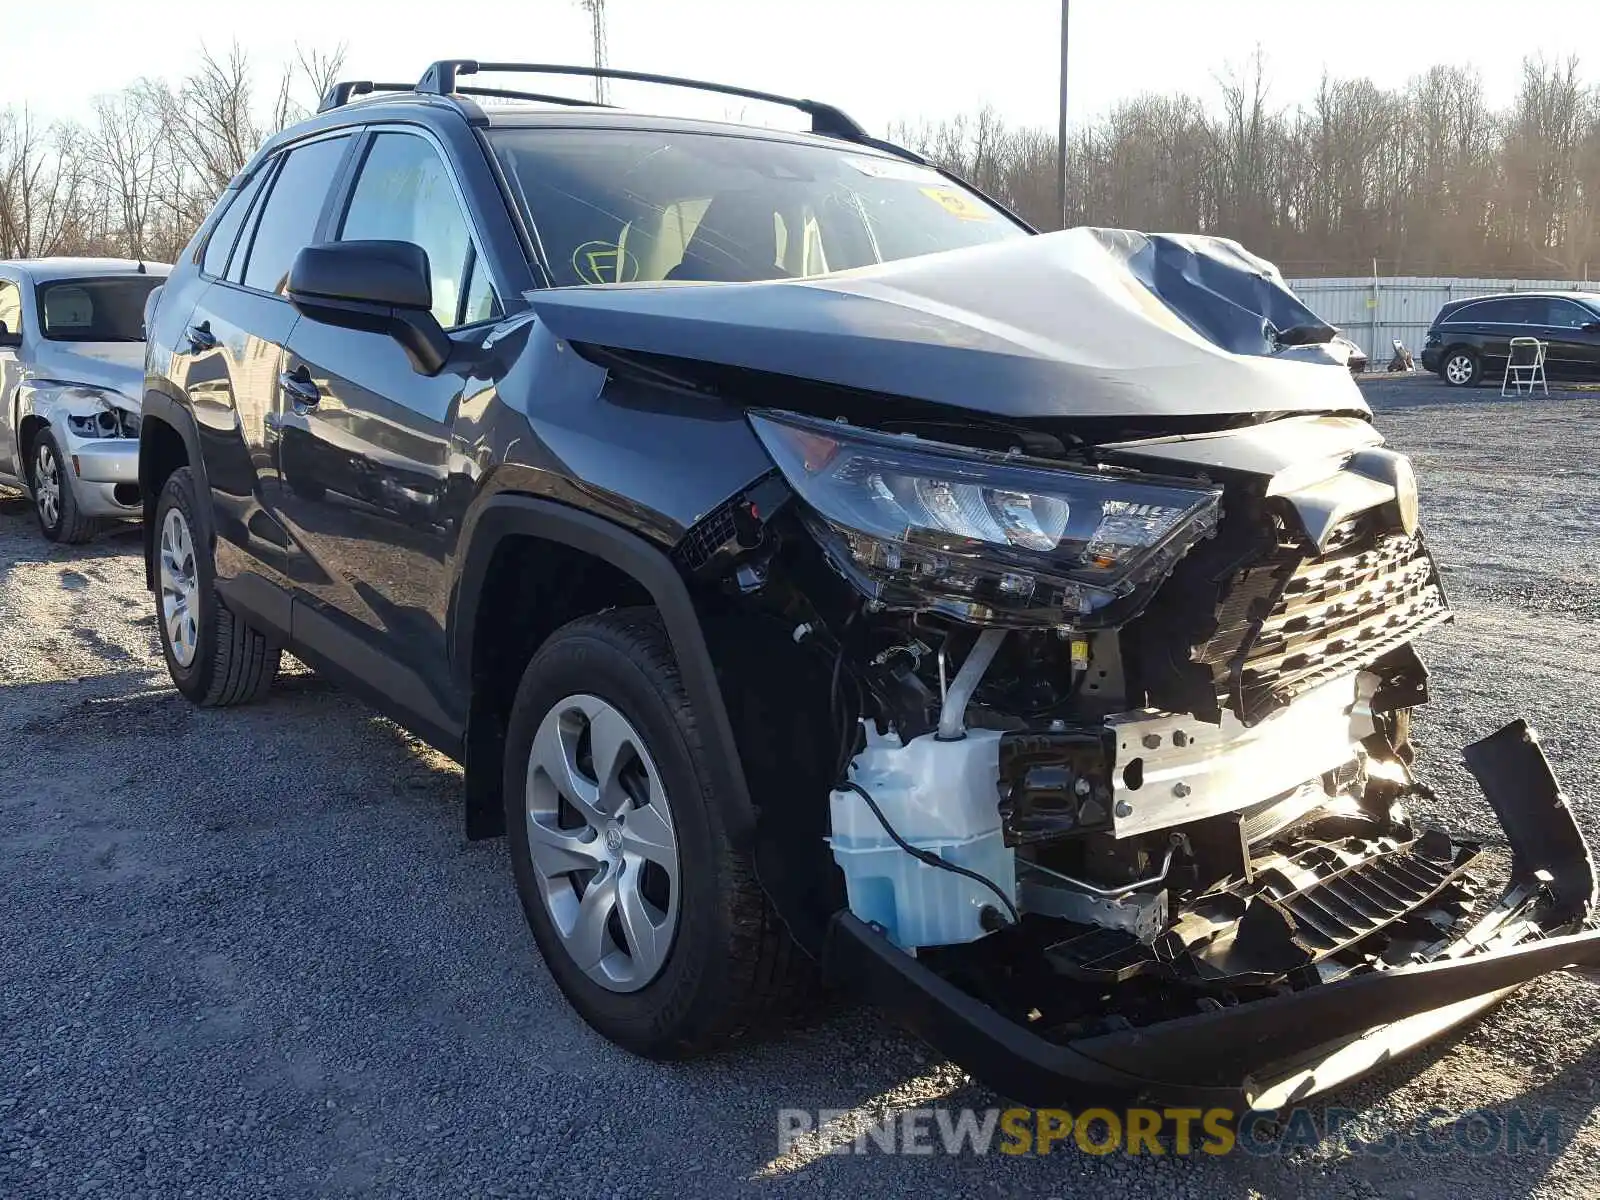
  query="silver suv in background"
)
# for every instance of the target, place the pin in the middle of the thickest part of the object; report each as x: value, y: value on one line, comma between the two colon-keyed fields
x: 71, y: 378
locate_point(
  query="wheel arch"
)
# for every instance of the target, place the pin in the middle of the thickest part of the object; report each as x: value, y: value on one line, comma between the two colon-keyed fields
x: 168, y: 440
x: 647, y: 574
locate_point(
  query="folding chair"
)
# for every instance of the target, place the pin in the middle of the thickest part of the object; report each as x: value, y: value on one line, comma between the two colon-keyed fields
x: 1529, y: 371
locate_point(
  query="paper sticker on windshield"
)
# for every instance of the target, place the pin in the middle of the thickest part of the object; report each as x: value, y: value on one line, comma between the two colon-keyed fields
x: 604, y: 262
x: 884, y: 168
x: 957, y: 204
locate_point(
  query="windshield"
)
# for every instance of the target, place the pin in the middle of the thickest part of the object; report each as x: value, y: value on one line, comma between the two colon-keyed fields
x: 95, y: 310
x: 630, y: 205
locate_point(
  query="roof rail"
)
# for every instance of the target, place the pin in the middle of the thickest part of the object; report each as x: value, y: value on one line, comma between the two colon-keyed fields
x: 505, y: 94
x: 342, y: 93
x: 440, y: 79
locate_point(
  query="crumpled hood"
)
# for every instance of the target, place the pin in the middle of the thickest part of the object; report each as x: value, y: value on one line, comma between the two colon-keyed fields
x: 116, y: 366
x: 1081, y: 323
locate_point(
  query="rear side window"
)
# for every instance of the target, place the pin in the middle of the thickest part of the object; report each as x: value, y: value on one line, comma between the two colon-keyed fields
x: 288, y: 220
x: 220, y: 244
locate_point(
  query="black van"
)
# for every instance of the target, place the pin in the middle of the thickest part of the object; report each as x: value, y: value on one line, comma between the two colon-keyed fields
x: 1471, y: 339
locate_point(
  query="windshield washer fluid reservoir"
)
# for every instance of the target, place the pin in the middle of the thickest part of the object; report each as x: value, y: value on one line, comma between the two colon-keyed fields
x: 942, y: 797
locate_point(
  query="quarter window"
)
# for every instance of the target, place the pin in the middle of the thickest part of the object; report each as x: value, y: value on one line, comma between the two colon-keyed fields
x: 404, y: 194
x: 288, y: 221
x: 1484, y: 312
x: 220, y: 244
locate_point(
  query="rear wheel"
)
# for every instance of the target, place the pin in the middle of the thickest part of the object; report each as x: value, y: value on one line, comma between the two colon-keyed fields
x: 649, y: 917
x: 214, y: 656
x: 1461, y: 368
x: 55, y: 503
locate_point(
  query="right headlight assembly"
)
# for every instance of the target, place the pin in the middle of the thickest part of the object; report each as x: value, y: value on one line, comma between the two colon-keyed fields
x: 983, y: 536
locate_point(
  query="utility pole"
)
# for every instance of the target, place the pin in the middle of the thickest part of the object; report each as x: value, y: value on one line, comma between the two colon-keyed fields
x: 1061, y: 134
x: 597, y: 13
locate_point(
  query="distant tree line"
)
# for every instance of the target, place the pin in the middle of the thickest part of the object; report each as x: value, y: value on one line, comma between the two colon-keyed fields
x: 1424, y: 179
x: 139, y: 175
x: 1427, y: 179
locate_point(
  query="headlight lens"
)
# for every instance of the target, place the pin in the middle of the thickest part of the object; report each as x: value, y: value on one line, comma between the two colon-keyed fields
x: 110, y: 421
x: 989, y: 537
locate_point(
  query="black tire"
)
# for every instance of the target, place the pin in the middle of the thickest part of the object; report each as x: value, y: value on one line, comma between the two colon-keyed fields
x: 732, y: 966
x: 1461, y: 356
x: 70, y: 527
x: 233, y: 663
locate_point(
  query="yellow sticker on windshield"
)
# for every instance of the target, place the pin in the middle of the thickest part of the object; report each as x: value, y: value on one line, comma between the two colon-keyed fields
x: 956, y: 204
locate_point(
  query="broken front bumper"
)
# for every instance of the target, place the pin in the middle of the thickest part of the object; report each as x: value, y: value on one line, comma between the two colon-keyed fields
x: 1270, y: 1053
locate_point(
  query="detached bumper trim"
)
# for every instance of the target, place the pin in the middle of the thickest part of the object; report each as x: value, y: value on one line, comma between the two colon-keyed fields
x: 1285, y: 1048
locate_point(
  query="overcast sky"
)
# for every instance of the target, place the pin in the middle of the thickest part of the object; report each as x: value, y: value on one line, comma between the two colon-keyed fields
x: 879, y: 59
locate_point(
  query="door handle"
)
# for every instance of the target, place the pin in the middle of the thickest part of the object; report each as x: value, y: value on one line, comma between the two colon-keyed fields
x: 201, y: 338
x: 298, y: 386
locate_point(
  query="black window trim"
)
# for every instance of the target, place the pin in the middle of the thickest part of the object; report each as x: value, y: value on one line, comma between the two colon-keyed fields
x: 274, y: 164
x: 247, y: 183
x: 345, y: 193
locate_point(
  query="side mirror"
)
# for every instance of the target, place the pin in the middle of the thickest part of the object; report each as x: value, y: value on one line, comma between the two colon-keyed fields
x: 1591, y: 326
x: 8, y: 339
x: 376, y: 286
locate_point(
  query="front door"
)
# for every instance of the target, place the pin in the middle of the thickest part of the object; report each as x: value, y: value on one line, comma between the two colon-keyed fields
x: 1573, y: 334
x: 364, y: 457
x: 10, y: 376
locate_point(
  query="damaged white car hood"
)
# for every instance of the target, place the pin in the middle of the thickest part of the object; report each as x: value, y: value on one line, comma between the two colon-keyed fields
x: 110, y: 366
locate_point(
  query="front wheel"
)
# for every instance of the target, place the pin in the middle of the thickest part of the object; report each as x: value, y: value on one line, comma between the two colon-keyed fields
x: 55, y: 503
x: 648, y: 916
x: 1461, y: 368
x: 214, y: 656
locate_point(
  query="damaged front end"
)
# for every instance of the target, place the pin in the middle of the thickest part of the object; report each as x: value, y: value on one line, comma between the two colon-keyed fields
x: 1120, y: 757
x: 97, y: 430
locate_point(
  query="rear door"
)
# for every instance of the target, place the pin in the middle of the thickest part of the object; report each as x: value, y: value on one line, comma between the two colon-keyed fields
x: 234, y: 342
x: 1492, y: 324
x: 365, y: 453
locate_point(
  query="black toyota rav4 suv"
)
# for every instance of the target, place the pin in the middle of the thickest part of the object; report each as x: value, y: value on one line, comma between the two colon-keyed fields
x: 818, y: 573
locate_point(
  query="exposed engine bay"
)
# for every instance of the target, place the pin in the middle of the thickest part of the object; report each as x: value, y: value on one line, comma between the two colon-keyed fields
x: 1117, y: 738
x: 1187, y: 795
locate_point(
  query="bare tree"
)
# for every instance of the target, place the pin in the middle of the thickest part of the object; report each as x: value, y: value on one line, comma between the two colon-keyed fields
x: 41, y: 186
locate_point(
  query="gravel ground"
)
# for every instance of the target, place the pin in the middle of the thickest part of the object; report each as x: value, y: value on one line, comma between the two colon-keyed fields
x: 249, y: 953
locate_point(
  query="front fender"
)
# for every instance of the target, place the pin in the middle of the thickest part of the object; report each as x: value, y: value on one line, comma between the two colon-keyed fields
x: 508, y: 514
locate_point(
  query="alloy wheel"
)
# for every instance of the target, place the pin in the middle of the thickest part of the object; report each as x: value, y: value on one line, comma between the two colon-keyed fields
x: 601, y: 840
x: 1458, y: 370
x: 180, y: 588
x: 47, y: 485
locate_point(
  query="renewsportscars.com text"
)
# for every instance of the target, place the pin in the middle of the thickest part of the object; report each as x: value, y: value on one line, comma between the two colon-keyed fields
x: 1163, y: 1131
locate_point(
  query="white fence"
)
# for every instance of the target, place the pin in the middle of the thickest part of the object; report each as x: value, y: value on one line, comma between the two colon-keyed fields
x: 1374, y: 311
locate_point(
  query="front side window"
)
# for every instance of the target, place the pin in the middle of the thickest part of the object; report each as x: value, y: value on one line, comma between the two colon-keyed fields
x: 95, y: 310
x: 288, y: 221
x: 10, y: 306
x: 1564, y: 314
x: 623, y: 205
x: 404, y: 194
